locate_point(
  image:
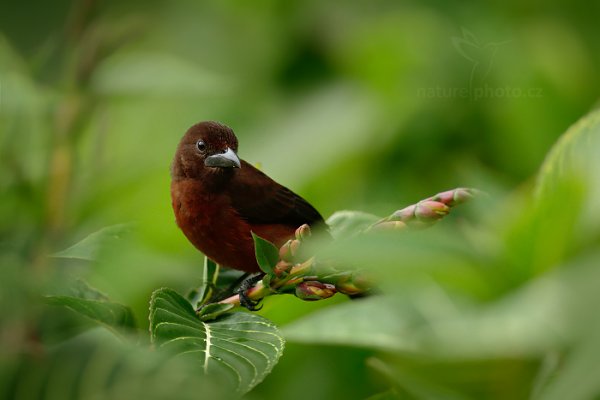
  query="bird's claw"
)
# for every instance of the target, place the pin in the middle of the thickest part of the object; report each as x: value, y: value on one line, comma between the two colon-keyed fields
x: 242, y: 292
x: 248, y: 303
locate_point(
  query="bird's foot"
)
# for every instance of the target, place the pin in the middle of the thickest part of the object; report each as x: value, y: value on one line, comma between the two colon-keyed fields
x: 242, y: 292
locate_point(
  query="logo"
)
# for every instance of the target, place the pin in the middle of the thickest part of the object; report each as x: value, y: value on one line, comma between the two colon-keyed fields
x: 482, y: 55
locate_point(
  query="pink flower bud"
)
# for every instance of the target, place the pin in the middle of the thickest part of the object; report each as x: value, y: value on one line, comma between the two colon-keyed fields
x: 455, y: 196
x: 289, y: 250
x: 430, y: 210
x: 303, y: 232
x: 314, y: 290
x: 304, y: 268
x: 462, y: 195
x: 405, y: 214
x: 282, y: 268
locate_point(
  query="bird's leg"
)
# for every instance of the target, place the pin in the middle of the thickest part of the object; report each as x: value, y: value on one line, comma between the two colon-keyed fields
x: 249, y: 283
x: 223, y: 293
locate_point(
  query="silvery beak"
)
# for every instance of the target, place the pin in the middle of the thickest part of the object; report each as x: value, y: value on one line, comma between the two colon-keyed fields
x: 227, y: 159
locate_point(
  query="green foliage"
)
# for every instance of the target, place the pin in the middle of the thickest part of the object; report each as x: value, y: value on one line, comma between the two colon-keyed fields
x: 89, y: 247
x: 352, y: 105
x: 548, y: 312
x: 95, y: 365
x: 241, y: 347
x: 572, y: 168
x: 343, y: 224
x: 112, y: 315
x: 267, y: 254
x: 209, y: 276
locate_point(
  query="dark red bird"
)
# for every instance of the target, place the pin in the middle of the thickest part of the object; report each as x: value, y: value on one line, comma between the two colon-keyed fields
x: 219, y: 199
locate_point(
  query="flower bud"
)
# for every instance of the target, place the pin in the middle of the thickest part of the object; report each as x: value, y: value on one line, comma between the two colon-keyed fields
x: 294, y: 245
x: 282, y: 268
x: 455, y: 196
x: 462, y: 195
x: 304, y: 268
x: 314, y: 290
x: 406, y: 214
x: 303, y: 232
x: 353, y: 284
x: 430, y: 210
x: 446, y: 197
x: 289, y: 250
x: 285, y: 251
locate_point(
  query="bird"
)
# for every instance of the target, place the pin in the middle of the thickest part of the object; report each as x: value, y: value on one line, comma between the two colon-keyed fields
x: 219, y: 200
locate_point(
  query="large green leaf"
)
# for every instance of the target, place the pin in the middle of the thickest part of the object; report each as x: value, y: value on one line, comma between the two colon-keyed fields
x: 89, y: 247
x: 240, y: 347
x: 578, y: 375
x: 377, y: 322
x: 95, y: 365
x: 564, y: 217
x: 412, y: 383
x: 106, y: 313
x: 575, y: 158
x: 88, y: 302
x: 546, y: 314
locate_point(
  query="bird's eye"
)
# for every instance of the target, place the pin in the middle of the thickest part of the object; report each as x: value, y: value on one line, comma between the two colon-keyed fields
x: 201, y: 145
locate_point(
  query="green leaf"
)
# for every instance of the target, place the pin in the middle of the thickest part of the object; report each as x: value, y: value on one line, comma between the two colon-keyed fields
x: 366, y: 323
x: 577, y: 378
x: 95, y: 365
x: 83, y: 290
x: 90, y: 246
x: 63, y: 320
x: 574, y: 158
x: 240, y: 347
x: 565, y: 217
x: 103, y: 312
x: 343, y: 224
x: 415, y: 385
x: 546, y: 314
x: 267, y: 255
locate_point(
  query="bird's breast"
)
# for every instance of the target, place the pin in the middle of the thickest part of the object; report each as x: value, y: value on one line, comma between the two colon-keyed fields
x: 212, y: 225
x: 204, y: 216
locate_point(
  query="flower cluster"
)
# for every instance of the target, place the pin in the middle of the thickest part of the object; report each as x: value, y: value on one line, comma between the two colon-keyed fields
x: 294, y: 273
x: 426, y: 212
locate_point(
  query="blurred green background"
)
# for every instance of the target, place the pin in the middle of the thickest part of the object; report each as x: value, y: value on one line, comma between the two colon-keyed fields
x: 352, y: 104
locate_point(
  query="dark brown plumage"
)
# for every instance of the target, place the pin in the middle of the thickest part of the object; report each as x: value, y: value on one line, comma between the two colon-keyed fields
x: 218, y: 199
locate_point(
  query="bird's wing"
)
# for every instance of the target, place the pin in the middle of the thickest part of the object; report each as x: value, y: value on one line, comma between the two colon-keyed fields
x: 260, y: 200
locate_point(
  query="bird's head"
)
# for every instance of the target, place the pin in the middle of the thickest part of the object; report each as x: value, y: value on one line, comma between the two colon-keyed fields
x: 206, y: 147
